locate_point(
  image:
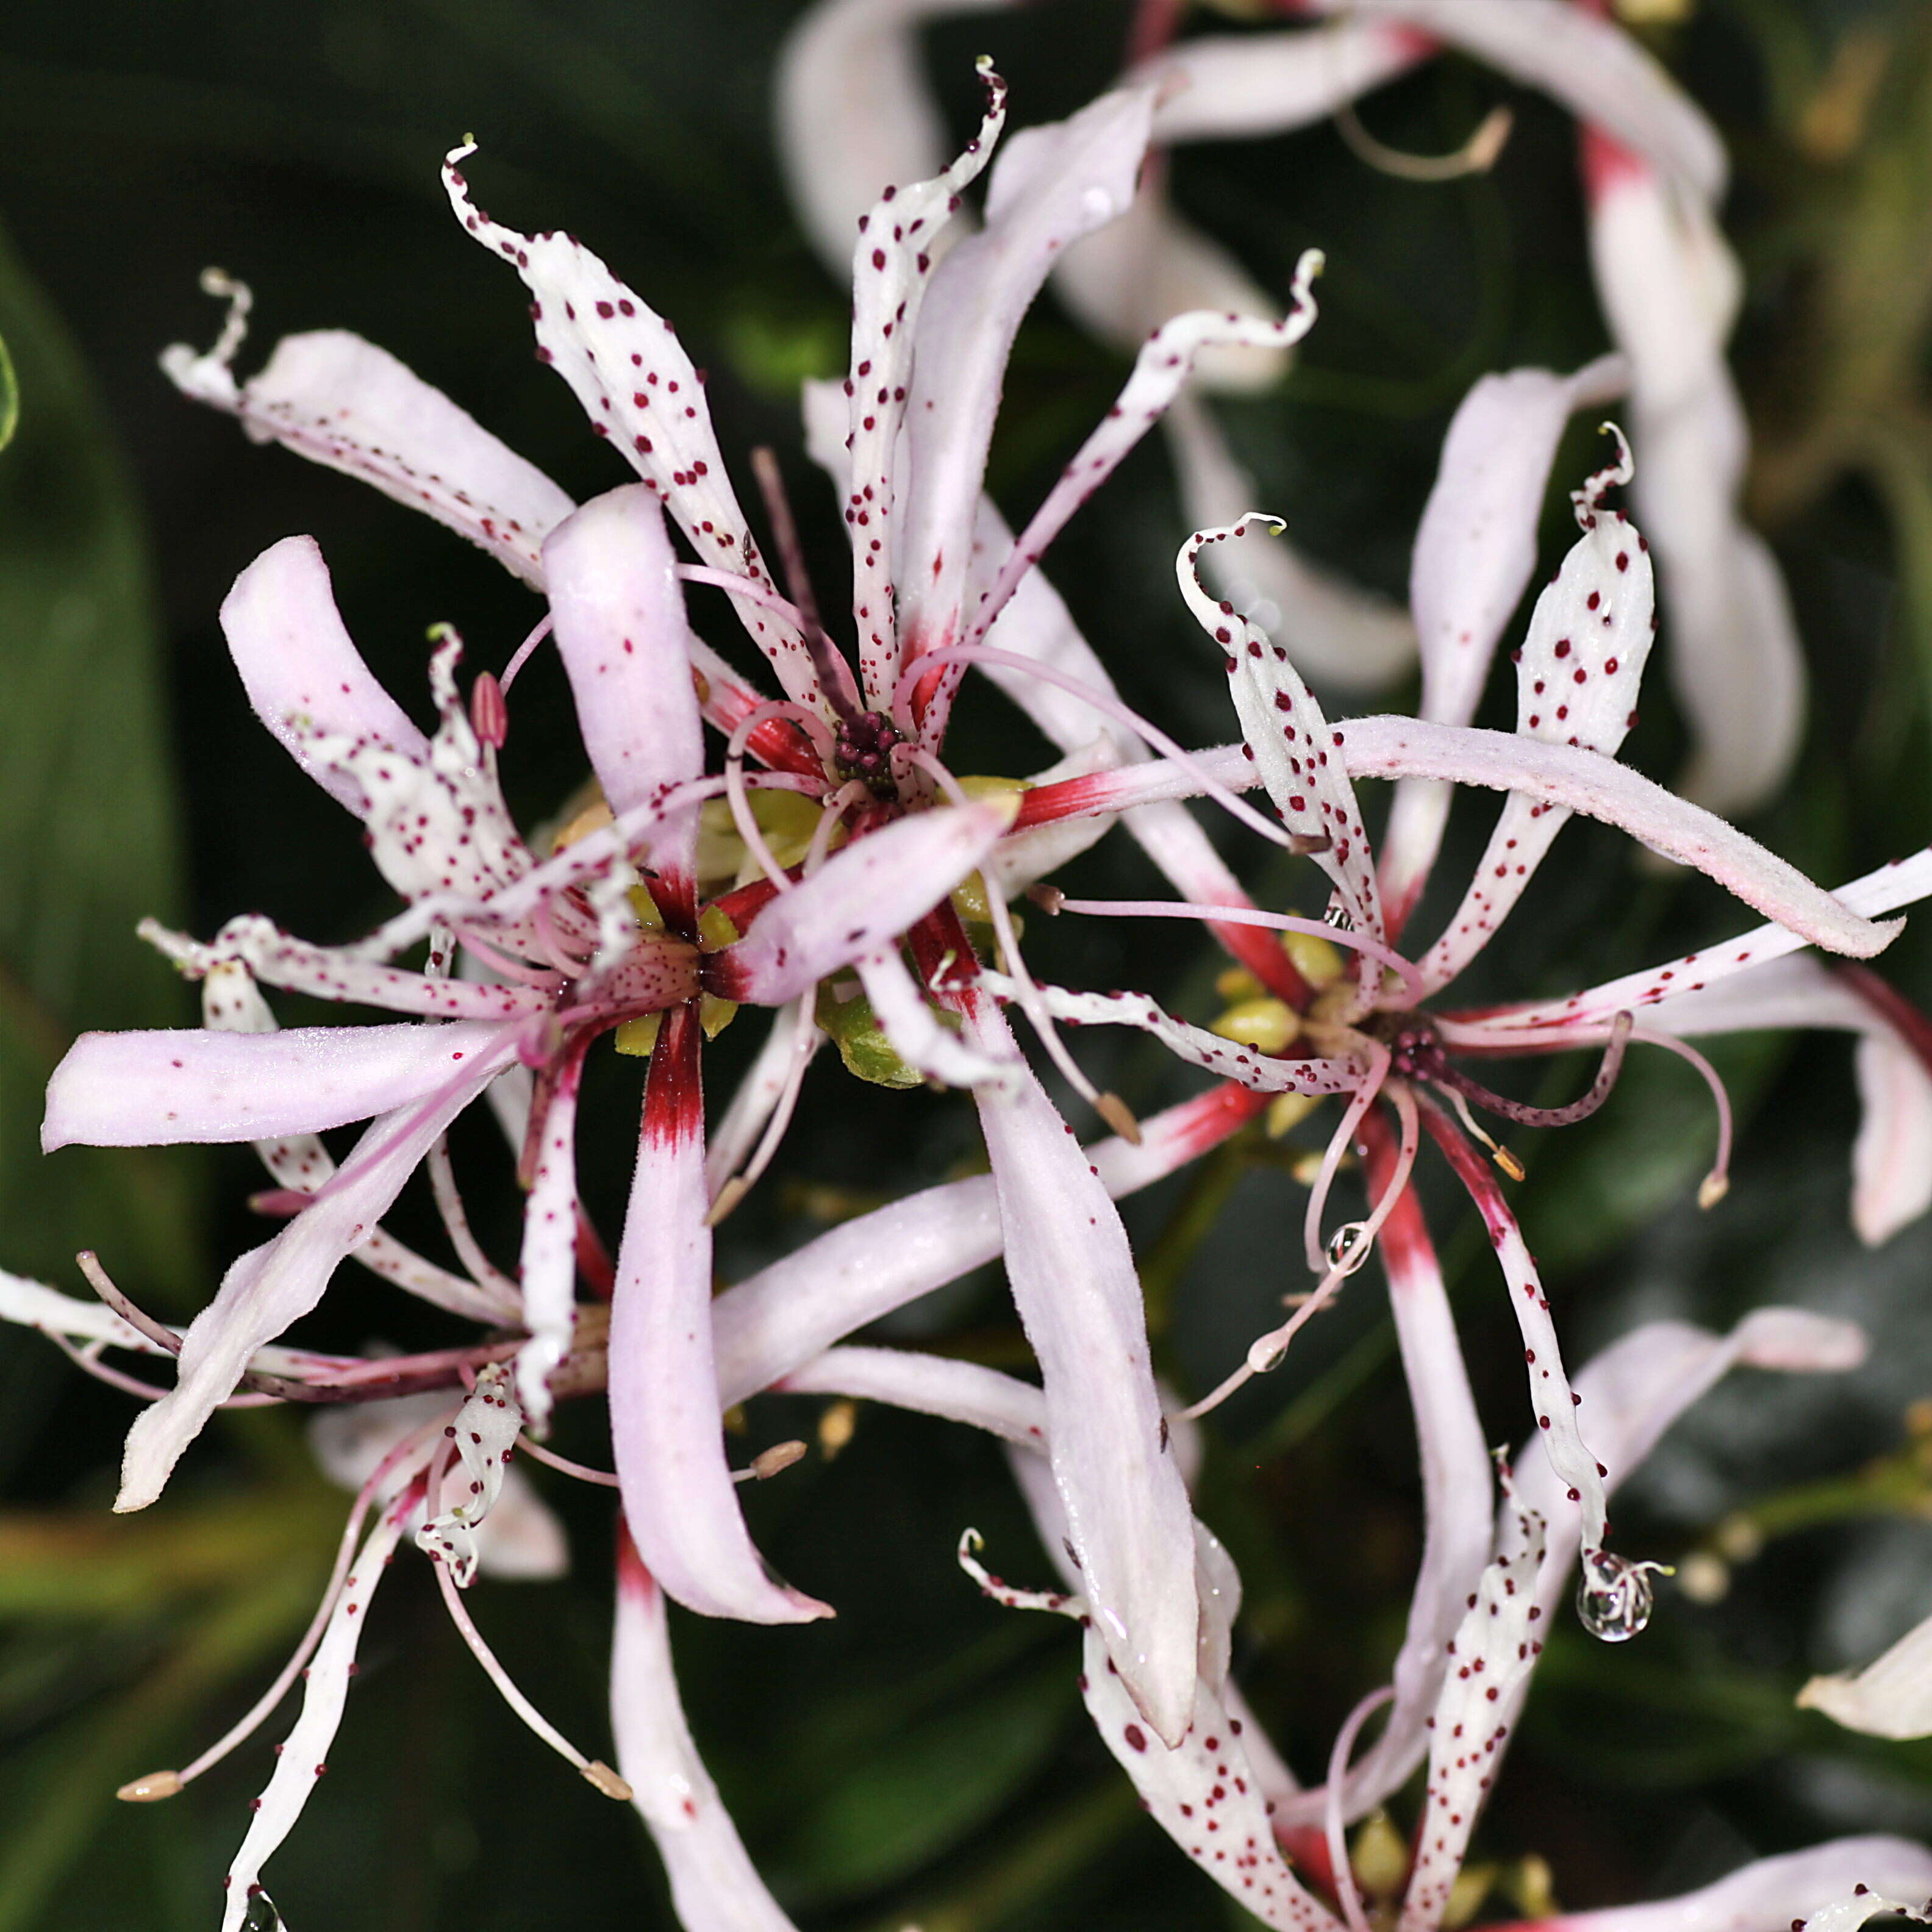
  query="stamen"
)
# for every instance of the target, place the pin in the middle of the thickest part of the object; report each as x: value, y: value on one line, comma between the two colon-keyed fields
x: 1500, y: 1154
x: 1347, y: 1894
x: 1476, y: 156
x: 1717, y: 1183
x: 1108, y: 705
x: 415, y: 1446
x: 739, y: 799
x: 1621, y: 1030
x: 770, y: 1462
x: 594, y: 1770
x: 1339, y: 1143
x: 489, y: 715
x: 159, y: 1333
x: 1413, y: 985
x: 583, y: 1472
x: 523, y: 651
x: 805, y: 1044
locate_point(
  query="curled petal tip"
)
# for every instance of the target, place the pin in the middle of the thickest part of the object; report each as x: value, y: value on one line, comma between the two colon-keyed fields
x: 151, y: 1787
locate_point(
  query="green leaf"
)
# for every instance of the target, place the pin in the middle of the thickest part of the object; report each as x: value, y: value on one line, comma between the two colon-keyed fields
x: 861, y: 1043
x: 88, y: 795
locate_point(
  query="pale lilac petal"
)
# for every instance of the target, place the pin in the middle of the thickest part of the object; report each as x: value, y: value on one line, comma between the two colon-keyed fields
x: 278, y: 958
x: 231, y: 1002
x: 1899, y: 883
x: 301, y: 1757
x: 1223, y: 86
x: 1475, y: 550
x: 1891, y: 1697
x: 1599, y: 787
x: 855, y: 113
x: 892, y: 269
x: 679, y: 1496
x: 862, y: 1269
x: 1021, y: 858
x: 1494, y: 1650
x: 344, y: 403
x: 1334, y: 630
x: 1165, y: 361
x: 620, y: 629
x: 643, y: 393
x: 714, y: 1886
x: 1578, y: 673
x: 547, y: 1269
x: 1073, y: 1282
x: 1123, y: 281
x: 298, y: 664
x: 860, y: 900
x: 1201, y: 1791
x: 1262, y: 1072
x: 274, y: 1286
x: 1458, y: 1523
x: 1052, y: 185
x: 161, y: 1088
x: 957, y: 1391
x: 916, y: 1033
x: 1771, y: 1894
x: 1290, y: 740
x: 32, y: 1304
x: 1587, y: 62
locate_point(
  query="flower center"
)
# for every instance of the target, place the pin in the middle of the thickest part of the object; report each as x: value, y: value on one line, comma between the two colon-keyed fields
x: 862, y: 748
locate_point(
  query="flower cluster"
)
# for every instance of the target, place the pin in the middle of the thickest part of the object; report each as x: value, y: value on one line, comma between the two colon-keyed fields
x: 816, y: 855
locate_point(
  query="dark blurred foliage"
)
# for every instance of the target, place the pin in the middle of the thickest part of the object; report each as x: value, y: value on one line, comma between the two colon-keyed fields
x: 924, y: 1757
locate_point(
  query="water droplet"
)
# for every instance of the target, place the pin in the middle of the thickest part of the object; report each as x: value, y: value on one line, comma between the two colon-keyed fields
x: 1267, y: 1353
x: 1098, y: 205
x: 1349, y: 1247
x: 1614, y: 1596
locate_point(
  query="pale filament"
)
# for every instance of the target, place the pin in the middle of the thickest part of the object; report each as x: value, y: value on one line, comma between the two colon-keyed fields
x: 1340, y: 1142
x: 456, y: 1224
x: 1413, y: 985
x: 1104, y: 702
x: 1347, y: 1893
x: 87, y: 1359
x: 804, y: 1045
x: 583, y: 1472
x: 740, y: 801
x: 524, y: 651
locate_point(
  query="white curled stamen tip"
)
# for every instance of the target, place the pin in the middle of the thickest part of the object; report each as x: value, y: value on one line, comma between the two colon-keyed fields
x: 1586, y: 500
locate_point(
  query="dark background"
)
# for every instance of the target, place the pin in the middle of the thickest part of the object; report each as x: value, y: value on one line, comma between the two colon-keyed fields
x: 923, y: 1758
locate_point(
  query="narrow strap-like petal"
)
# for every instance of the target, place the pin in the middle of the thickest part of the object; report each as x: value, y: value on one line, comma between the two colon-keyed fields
x: 1458, y: 1519
x: 1577, y: 675
x: 161, y: 1088
x: 642, y: 392
x: 967, y: 1392
x: 1263, y: 1072
x: 1288, y: 738
x: 272, y: 1286
x: 1223, y: 86
x: 1495, y: 1647
x: 301, y: 669
x: 678, y: 1492
x: 1073, y: 1282
x: 301, y: 1758
x: 917, y: 1034
x: 1891, y: 1697
x: 800, y: 1306
x: 343, y: 402
x: 620, y: 629
x: 892, y: 268
x: 548, y: 1270
x: 1335, y: 631
x: 859, y: 901
x: 714, y: 1886
x: 1474, y: 550
x: 1771, y: 1894
x: 1052, y: 185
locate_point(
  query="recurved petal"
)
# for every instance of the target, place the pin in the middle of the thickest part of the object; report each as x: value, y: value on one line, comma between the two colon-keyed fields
x: 679, y: 1496
x: 1052, y: 185
x: 1891, y: 1697
x: 1073, y: 1282
x: 714, y: 1885
x: 276, y: 1284
x: 858, y: 902
x: 344, y: 403
x: 303, y: 674
x: 160, y: 1088
x: 621, y: 630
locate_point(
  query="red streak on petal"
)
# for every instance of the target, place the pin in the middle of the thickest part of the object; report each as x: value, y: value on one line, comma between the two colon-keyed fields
x: 674, y: 1087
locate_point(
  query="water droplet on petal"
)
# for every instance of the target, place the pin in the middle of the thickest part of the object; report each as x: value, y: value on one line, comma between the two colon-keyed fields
x: 1614, y: 1597
x: 1098, y: 205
